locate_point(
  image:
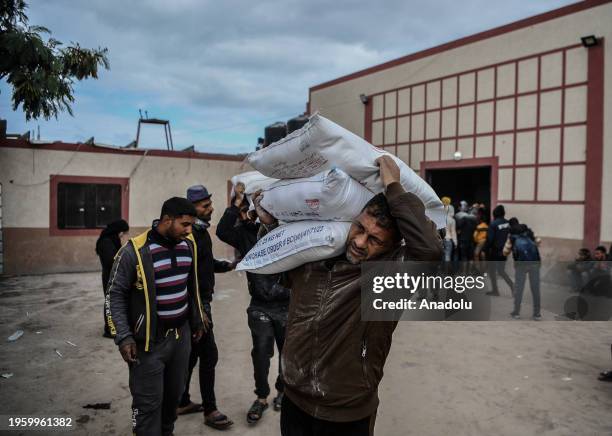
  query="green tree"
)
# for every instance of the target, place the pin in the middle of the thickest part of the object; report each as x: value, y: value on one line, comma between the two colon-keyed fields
x: 41, y: 71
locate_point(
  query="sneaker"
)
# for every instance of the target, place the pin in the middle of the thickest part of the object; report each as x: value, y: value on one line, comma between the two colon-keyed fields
x: 515, y: 316
x: 537, y: 317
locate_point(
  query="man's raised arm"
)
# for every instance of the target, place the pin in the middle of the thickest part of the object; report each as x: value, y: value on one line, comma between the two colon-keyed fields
x: 419, y: 233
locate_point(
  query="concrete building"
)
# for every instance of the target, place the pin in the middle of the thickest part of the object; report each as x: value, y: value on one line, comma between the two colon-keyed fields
x: 55, y: 197
x: 514, y: 115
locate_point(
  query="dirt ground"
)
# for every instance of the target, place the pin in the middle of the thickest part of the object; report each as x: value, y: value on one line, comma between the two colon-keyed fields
x: 441, y: 378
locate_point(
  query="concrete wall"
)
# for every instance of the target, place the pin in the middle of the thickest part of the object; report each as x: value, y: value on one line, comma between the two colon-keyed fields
x: 473, y: 126
x: 24, y: 173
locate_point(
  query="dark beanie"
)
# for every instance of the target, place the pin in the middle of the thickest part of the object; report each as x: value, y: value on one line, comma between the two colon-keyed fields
x: 499, y: 211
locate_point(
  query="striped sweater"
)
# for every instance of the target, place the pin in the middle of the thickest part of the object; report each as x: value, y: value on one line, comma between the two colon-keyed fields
x: 172, y: 266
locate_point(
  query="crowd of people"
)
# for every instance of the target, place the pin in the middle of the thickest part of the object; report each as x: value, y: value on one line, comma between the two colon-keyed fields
x: 470, y: 239
x: 158, y: 287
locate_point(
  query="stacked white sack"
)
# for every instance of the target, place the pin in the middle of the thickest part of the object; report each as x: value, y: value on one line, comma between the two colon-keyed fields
x: 295, y: 244
x: 331, y: 195
x: 253, y: 181
x: 322, y: 144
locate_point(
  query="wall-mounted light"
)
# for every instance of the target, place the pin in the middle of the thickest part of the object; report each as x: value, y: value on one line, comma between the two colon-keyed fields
x: 457, y: 155
x: 364, y: 98
x: 589, y: 41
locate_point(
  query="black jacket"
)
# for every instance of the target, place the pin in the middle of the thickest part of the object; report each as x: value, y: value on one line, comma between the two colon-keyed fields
x: 107, y: 247
x: 131, y: 305
x: 265, y: 289
x: 333, y: 360
x: 242, y: 235
x: 496, y: 238
x: 207, y: 265
x: 465, y: 224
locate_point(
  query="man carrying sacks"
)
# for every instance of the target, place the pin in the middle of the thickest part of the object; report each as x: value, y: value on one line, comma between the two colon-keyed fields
x: 267, y: 311
x: 332, y: 361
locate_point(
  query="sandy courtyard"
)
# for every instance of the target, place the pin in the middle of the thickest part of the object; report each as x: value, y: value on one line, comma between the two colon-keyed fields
x: 441, y: 378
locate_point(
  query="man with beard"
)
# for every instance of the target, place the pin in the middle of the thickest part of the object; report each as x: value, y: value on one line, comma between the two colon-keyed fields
x: 206, y: 348
x: 332, y: 360
x: 267, y: 311
x: 154, y: 310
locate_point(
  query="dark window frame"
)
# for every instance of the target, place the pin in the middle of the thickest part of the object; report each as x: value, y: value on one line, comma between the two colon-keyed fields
x: 54, y: 229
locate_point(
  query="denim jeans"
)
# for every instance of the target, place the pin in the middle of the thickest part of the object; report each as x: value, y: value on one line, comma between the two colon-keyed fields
x: 448, y: 249
x: 522, y: 269
x: 498, y: 267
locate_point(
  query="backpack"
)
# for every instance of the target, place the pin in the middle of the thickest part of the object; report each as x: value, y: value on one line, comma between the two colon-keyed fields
x: 525, y: 249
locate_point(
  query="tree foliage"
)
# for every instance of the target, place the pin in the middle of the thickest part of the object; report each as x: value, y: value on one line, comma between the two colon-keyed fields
x: 41, y: 71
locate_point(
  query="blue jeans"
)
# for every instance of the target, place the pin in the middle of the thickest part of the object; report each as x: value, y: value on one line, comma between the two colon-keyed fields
x: 448, y: 245
x: 522, y: 269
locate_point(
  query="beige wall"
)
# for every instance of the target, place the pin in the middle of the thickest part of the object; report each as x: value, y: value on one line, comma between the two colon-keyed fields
x: 153, y: 179
x: 28, y: 247
x: 340, y: 103
x: 34, y: 251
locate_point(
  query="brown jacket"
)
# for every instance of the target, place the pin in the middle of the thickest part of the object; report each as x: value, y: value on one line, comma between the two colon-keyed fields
x: 332, y: 361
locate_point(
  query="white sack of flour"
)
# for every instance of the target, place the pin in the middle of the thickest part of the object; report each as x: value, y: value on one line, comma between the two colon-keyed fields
x: 252, y: 180
x: 295, y: 244
x: 331, y: 195
x: 322, y: 145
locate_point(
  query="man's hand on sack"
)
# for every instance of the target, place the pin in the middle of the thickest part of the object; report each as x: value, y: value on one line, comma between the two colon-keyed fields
x: 238, y: 199
x: 263, y: 214
x: 128, y: 352
x: 389, y: 171
x: 239, y: 194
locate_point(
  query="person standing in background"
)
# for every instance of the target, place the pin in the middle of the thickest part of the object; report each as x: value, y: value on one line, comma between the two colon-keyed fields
x: 480, y: 238
x: 466, y: 224
x: 523, y: 245
x: 497, y: 234
x: 206, y: 348
x: 268, y: 308
x: 449, y: 241
x: 107, y: 246
x: 155, y: 309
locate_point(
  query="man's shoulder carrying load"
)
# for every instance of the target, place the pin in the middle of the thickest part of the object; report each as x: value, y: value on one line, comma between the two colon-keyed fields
x: 323, y: 145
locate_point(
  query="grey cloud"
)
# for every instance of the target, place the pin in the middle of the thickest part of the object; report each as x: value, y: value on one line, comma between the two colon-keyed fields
x: 212, y: 57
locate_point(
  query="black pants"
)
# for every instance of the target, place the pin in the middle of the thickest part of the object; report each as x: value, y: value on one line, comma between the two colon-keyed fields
x: 296, y: 422
x: 157, y: 381
x: 499, y: 267
x: 267, y: 326
x: 465, y: 250
x: 206, y: 351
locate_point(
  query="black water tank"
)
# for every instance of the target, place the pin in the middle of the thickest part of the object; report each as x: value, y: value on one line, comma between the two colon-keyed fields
x: 296, y: 123
x: 275, y: 132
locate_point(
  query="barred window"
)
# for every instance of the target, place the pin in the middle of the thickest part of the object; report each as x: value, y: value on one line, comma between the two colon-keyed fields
x: 87, y: 206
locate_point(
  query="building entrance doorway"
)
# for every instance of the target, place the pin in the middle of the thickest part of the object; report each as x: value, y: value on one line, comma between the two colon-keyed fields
x: 470, y: 184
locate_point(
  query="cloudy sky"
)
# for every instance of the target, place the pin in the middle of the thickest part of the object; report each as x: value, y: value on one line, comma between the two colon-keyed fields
x: 220, y: 71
